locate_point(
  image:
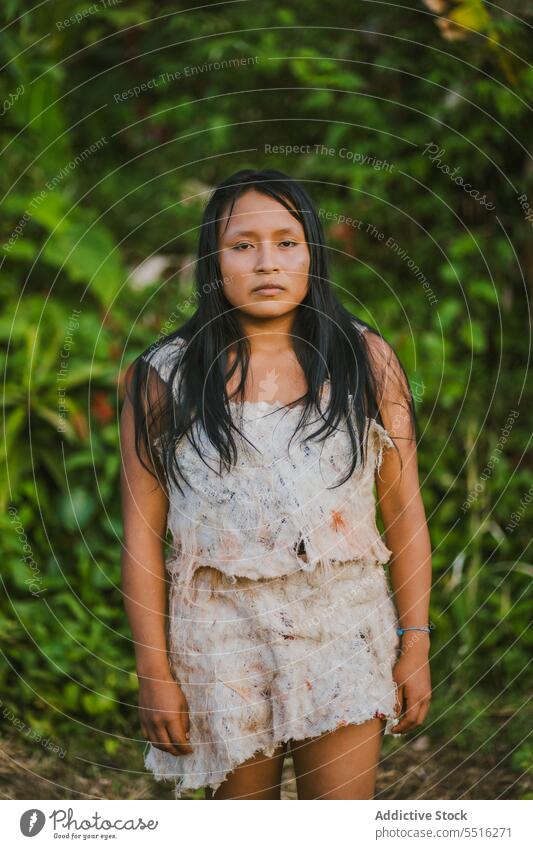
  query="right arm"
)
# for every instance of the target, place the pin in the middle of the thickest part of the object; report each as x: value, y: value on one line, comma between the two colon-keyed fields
x: 163, y: 707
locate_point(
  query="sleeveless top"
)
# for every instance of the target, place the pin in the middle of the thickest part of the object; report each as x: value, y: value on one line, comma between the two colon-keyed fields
x: 251, y: 521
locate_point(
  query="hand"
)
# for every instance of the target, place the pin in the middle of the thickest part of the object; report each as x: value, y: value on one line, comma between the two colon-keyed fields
x: 164, y: 714
x: 411, y: 674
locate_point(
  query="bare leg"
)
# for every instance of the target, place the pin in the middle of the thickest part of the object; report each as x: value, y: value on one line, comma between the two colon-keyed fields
x: 257, y: 778
x: 339, y: 764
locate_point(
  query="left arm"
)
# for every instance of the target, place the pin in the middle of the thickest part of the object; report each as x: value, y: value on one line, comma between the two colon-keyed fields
x: 407, y: 536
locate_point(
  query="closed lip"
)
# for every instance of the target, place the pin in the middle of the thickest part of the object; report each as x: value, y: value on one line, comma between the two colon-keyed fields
x: 268, y: 287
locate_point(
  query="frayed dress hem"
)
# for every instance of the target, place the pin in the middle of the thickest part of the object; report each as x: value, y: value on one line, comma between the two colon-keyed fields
x: 187, y: 783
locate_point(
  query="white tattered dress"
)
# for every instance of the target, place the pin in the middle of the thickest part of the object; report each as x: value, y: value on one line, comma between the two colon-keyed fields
x: 269, y: 644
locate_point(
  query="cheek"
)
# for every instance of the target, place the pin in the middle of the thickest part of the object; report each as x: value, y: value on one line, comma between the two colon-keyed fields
x: 234, y: 270
x: 234, y: 293
x: 301, y: 264
x: 236, y: 277
x: 302, y: 260
x: 225, y: 259
x: 236, y: 262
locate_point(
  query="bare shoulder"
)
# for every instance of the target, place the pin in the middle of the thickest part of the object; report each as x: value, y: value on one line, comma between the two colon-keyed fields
x: 163, y: 355
x: 393, y: 392
x: 376, y: 344
x: 383, y: 357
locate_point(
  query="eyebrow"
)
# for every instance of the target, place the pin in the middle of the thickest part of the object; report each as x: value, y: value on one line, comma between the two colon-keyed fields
x: 253, y: 232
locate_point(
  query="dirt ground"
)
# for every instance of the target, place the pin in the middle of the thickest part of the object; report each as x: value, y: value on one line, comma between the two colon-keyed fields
x: 415, y: 769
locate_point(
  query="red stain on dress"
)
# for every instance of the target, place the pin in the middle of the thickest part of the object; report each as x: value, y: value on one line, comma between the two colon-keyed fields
x: 309, y: 685
x: 337, y: 520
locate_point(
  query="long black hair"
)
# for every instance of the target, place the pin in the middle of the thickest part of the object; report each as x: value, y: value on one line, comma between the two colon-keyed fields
x: 326, y: 341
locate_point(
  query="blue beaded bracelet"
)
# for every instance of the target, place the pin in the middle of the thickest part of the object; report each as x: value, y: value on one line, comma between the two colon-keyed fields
x: 428, y: 628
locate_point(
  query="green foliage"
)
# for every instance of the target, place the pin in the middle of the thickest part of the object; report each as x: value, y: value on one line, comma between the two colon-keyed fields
x: 96, y: 183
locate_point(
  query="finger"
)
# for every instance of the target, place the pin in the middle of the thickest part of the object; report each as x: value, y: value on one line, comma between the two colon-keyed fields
x: 407, y: 722
x: 399, y: 700
x: 178, y: 737
x: 183, y: 717
x: 399, y: 728
x: 417, y: 715
x: 160, y: 739
x: 424, y: 710
x: 423, y: 703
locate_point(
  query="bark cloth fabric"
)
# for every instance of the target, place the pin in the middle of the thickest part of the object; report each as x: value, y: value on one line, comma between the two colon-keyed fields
x: 282, y: 624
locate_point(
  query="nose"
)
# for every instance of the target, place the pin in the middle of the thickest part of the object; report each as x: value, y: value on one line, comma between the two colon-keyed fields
x: 266, y: 259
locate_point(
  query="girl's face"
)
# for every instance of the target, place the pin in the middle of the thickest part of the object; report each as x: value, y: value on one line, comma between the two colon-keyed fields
x: 263, y: 246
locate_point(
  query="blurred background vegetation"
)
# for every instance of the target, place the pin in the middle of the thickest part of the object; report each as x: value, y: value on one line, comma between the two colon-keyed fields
x: 102, y: 194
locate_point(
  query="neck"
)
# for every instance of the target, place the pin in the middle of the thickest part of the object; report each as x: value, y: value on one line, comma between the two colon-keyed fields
x: 268, y: 336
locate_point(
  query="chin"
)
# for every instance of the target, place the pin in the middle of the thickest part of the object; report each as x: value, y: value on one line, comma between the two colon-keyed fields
x: 268, y: 309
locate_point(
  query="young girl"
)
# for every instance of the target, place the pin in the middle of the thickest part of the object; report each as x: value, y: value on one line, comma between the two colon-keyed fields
x: 255, y: 434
